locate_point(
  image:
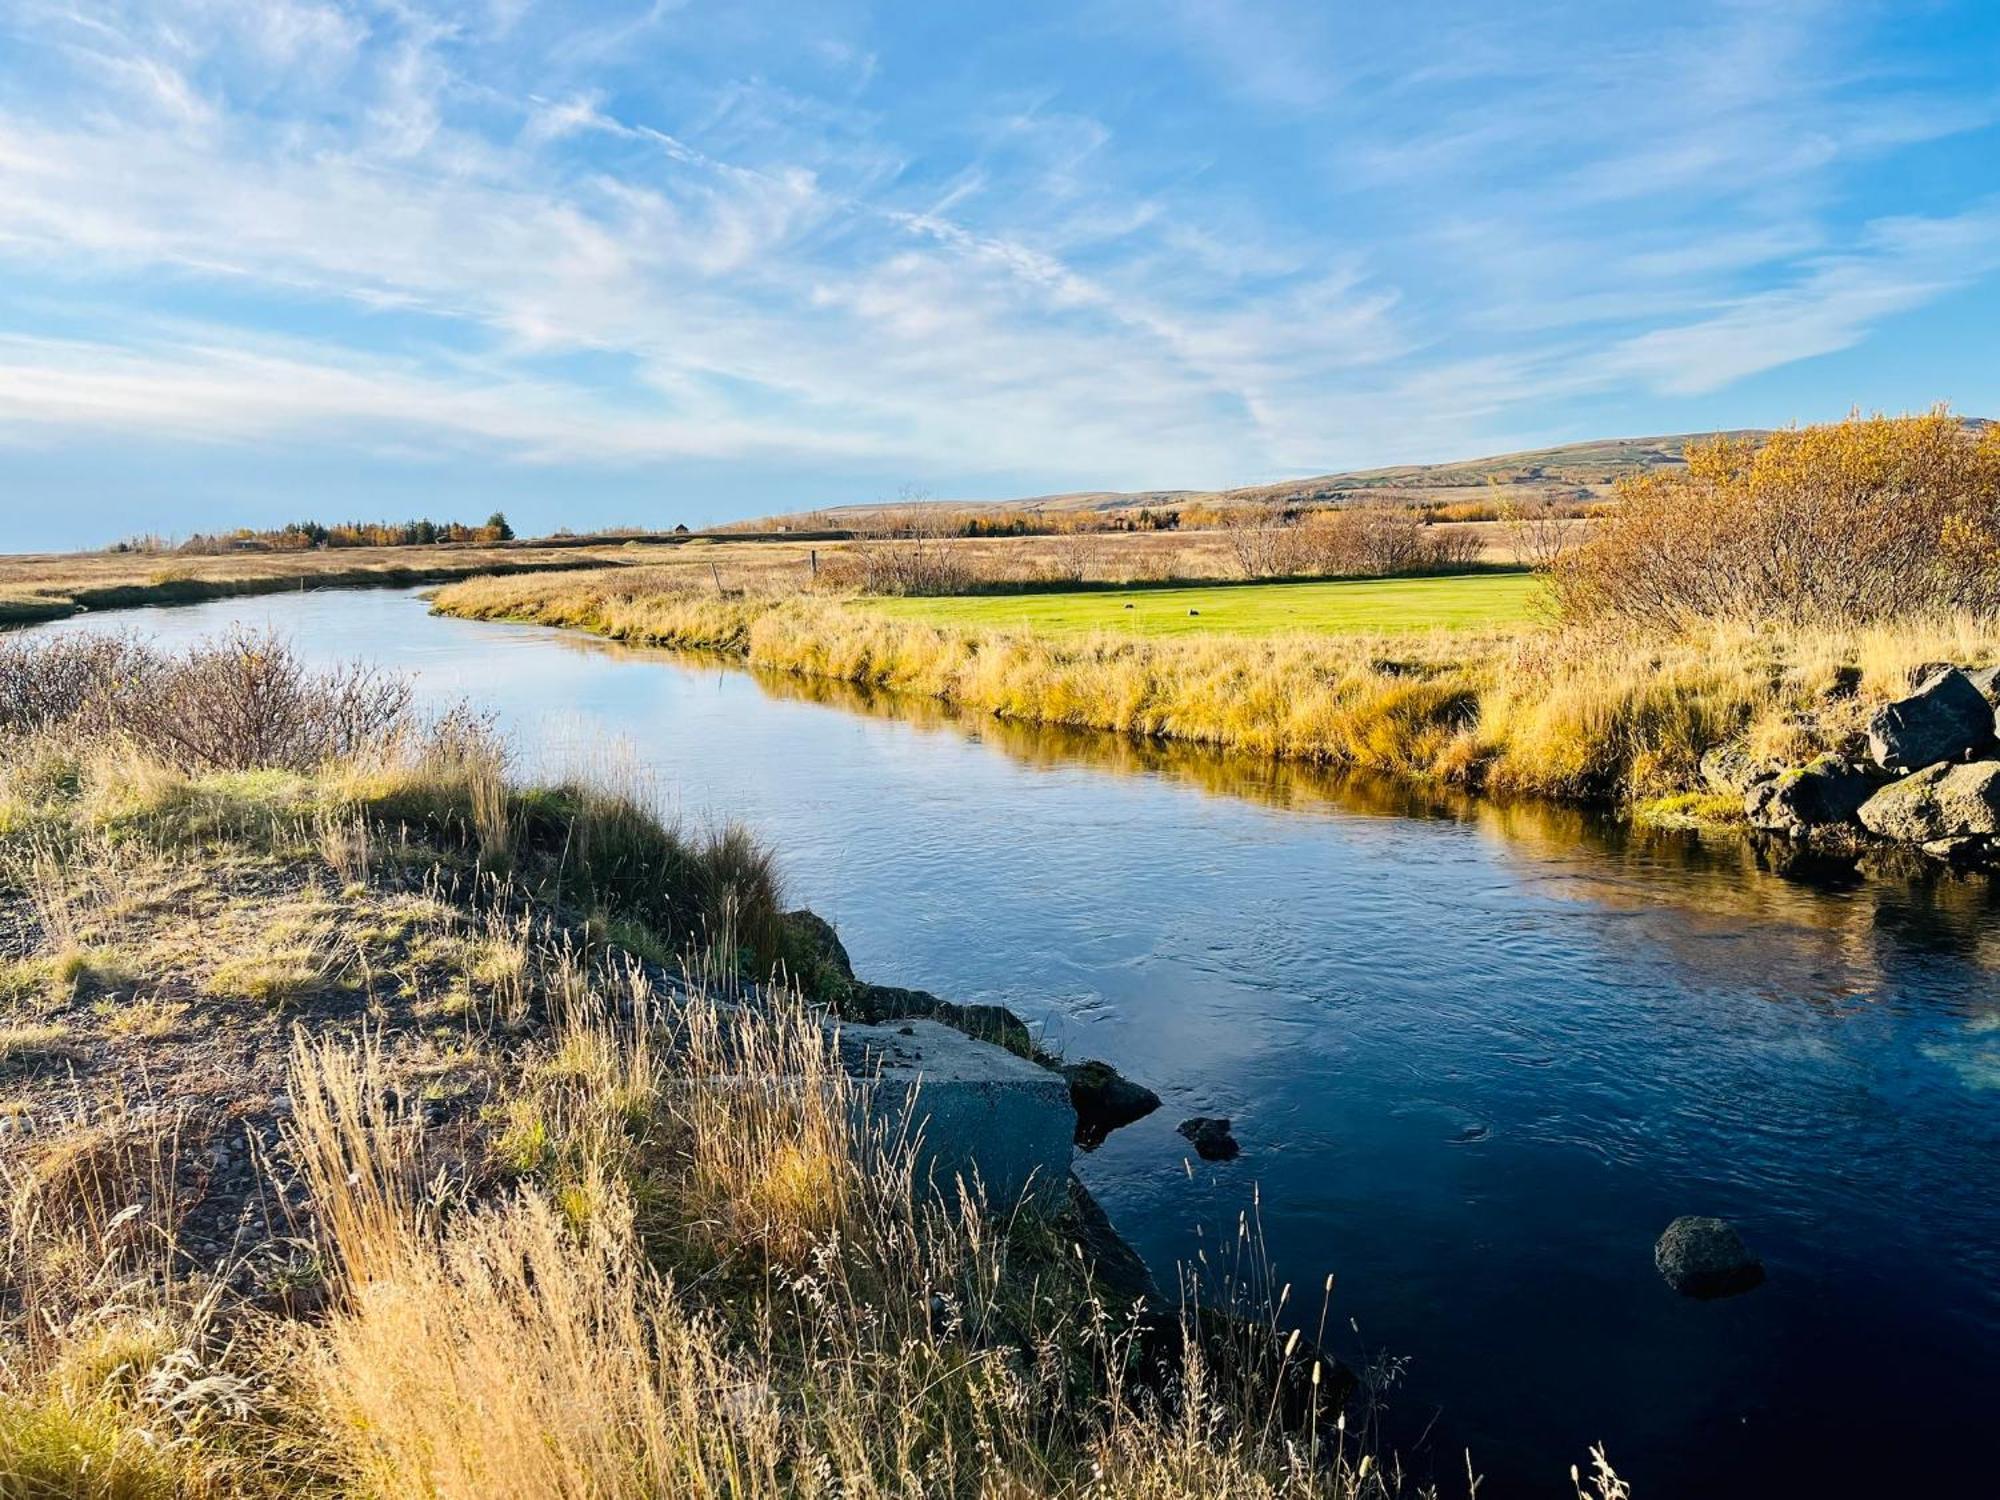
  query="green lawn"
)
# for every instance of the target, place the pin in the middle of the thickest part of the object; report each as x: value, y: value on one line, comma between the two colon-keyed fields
x: 1342, y: 606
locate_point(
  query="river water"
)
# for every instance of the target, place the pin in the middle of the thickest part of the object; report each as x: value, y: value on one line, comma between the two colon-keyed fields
x: 1477, y: 1056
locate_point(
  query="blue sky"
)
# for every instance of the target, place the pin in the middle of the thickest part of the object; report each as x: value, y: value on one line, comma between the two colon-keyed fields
x: 653, y: 262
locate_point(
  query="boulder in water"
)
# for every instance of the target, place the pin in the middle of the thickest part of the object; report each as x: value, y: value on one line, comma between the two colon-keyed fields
x: 1105, y: 1101
x: 1827, y: 791
x: 1706, y: 1258
x: 1941, y: 802
x: 1212, y: 1138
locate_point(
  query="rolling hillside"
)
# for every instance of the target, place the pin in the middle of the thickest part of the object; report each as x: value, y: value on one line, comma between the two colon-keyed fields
x: 1575, y: 471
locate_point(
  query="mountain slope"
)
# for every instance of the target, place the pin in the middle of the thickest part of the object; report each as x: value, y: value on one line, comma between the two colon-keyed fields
x: 1571, y: 472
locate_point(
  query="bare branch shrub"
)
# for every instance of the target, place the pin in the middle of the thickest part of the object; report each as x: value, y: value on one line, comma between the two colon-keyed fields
x: 916, y: 558
x: 1263, y: 543
x: 245, y: 700
x: 46, y: 682
x: 1450, y: 549
x: 1853, y: 522
x: 1539, y: 532
x: 1073, y: 556
x: 1378, y: 541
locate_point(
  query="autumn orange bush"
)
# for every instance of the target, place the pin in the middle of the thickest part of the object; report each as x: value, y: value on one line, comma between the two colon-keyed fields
x: 1868, y: 520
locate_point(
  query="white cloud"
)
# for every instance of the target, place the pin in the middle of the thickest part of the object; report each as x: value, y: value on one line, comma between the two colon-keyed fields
x: 1902, y: 264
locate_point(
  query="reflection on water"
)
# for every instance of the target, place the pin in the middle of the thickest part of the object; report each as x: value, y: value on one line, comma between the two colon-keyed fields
x: 1715, y: 875
x: 1478, y: 1055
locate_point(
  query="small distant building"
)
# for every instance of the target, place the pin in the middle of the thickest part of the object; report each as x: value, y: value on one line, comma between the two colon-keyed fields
x: 681, y: 529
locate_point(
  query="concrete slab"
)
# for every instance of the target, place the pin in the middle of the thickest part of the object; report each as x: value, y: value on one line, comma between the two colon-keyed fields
x: 981, y: 1110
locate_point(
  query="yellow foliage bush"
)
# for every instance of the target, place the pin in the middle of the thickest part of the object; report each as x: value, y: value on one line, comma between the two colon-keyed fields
x: 1873, y: 518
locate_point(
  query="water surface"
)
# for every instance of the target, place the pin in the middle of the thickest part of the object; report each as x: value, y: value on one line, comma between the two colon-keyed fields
x: 1477, y: 1056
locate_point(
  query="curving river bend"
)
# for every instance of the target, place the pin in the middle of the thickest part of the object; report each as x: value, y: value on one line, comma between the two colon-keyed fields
x: 1477, y: 1056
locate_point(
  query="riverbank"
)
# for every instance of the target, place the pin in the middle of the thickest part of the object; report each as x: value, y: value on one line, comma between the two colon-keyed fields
x: 53, y: 587
x: 377, y: 1125
x: 1618, y: 720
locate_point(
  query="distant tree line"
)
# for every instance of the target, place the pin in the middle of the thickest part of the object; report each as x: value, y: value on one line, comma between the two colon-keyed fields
x: 304, y: 536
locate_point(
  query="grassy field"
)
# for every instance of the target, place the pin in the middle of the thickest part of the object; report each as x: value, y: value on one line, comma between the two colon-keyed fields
x: 1334, y: 607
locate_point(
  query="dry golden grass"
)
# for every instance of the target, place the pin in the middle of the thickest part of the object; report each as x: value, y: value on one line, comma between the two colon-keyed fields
x: 1538, y: 711
x: 713, y: 1289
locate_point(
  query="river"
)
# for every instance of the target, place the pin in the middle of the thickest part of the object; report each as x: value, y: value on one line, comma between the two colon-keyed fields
x: 1477, y: 1056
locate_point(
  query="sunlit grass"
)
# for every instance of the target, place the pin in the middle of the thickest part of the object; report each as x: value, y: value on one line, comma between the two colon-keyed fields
x: 1335, y: 607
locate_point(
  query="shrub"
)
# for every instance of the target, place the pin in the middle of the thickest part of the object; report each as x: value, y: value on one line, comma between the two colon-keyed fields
x: 244, y: 701
x: 1870, y: 519
x: 47, y: 683
x: 1359, y: 543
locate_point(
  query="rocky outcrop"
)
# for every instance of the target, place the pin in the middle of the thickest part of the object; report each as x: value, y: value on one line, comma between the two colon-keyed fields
x: 815, y: 955
x: 874, y: 1004
x: 1938, y: 803
x: 1212, y: 1138
x: 1706, y: 1258
x: 820, y: 964
x: 1987, y: 680
x: 1105, y: 1100
x: 1930, y: 787
x: 1948, y: 718
x: 1795, y: 802
x: 1731, y: 770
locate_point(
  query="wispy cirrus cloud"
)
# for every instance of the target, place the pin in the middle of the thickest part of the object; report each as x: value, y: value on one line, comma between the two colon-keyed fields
x: 1200, y: 245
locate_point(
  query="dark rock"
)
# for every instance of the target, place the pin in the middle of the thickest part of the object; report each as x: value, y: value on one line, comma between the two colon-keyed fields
x: 1948, y: 718
x: 1706, y: 1258
x: 1937, y: 803
x: 1963, y: 854
x: 1795, y: 802
x: 1731, y: 771
x: 875, y: 1004
x: 1105, y: 1101
x: 989, y: 1023
x: 814, y: 953
x: 1211, y: 1137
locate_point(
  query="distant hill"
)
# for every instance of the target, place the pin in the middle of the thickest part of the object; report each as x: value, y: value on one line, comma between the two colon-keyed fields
x: 1576, y: 472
